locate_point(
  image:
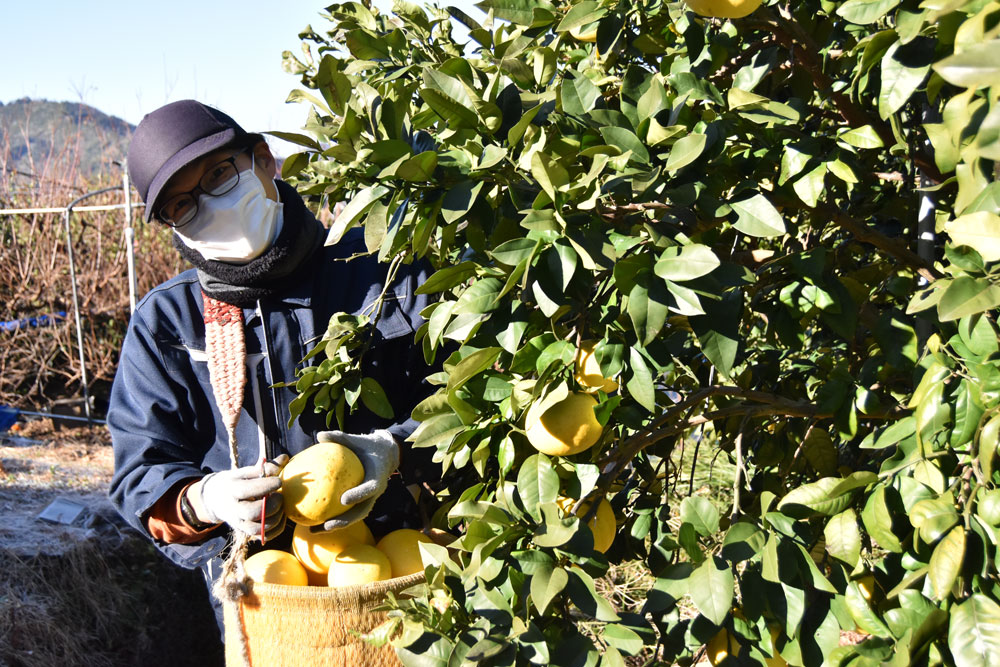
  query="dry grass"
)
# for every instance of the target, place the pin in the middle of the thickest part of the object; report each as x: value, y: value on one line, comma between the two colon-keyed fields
x: 99, y: 606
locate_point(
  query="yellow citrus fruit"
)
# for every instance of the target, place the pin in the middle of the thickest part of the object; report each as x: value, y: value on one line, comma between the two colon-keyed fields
x: 317, y: 550
x: 588, y: 370
x: 401, y: 546
x: 721, y: 646
x: 867, y: 586
x: 276, y: 567
x: 359, y: 564
x: 776, y: 660
x: 603, y: 525
x: 314, y: 479
x: 566, y: 428
x: 724, y: 9
x: 988, y: 508
x: 585, y: 33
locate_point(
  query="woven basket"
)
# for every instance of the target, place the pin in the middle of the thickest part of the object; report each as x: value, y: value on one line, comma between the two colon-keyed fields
x: 311, y: 626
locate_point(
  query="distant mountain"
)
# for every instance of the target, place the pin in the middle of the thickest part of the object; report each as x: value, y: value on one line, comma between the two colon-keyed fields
x: 63, y: 142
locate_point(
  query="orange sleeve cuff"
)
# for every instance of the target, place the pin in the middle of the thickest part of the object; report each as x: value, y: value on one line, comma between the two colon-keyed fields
x: 166, y: 523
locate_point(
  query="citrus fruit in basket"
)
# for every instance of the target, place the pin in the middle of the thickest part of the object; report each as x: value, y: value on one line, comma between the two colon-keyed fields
x: 276, y: 567
x: 317, y: 550
x: 359, y: 564
x: 403, y: 550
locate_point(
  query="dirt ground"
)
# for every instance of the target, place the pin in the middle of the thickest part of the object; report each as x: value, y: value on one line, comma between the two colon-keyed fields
x: 39, y: 464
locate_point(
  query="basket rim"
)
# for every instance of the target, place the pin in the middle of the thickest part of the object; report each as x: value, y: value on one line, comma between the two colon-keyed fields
x: 395, y: 585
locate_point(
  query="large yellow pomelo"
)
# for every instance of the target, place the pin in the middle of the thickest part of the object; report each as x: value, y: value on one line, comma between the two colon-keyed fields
x: 359, y: 564
x: 276, y: 567
x: 566, y: 428
x: 401, y: 546
x: 603, y: 525
x: 588, y: 370
x: 314, y: 479
x: 585, y: 33
x: 317, y: 550
x: 724, y: 9
x: 722, y: 646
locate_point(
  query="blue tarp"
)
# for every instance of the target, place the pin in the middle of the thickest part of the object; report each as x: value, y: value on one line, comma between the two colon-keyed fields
x: 39, y: 321
x: 8, y: 416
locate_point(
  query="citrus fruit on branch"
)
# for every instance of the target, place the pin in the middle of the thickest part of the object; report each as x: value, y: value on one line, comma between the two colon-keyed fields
x: 724, y: 9
x: 568, y: 427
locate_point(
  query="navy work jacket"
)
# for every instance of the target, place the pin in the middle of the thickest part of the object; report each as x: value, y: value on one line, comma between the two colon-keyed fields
x: 164, y: 422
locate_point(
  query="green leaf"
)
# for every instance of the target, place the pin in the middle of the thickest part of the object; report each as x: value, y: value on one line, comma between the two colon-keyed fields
x: 640, y: 385
x: 686, y: 300
x: 448, y: 277
x: 863, y: 12
x: 946, y: 562
x: 974, y: 632
x: 862, y: 137
x: 980, y: 231
x: 625, y: 140
x: 546, y: 584
x: 584, y: 595
x: 827, y: 496
x: 459, y: 200
x: 358, y: 205
x: 711, y: 589
x: 622, y: 638
x: 843, y: 539
x: 756, y: 216
x: 553, y: 530
x: 578, y: 95
x: 967, y: 296
x: 810, y: 187
x: 933, y: 517
x: 454, y: 112
x: 700, y: 513
x: 648, y: 311
x: 718, y: 331
x: 976, y: 66
x: 686, y: 150
x: 537, y: 483
x: 877, y: 517
x: 581, y: 14
x: 417, y: 168
x: 686, y: 262
x: 520, y: 12
x: 549, y: 173
x: 899, y: 82
x: 514, y: 251
x: 374, y: 398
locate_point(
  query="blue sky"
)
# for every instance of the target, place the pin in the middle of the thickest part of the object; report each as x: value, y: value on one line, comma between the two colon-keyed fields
x: 128, y: 57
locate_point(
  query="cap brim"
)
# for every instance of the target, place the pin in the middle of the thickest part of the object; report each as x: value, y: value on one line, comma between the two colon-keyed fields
x: 181, y: 159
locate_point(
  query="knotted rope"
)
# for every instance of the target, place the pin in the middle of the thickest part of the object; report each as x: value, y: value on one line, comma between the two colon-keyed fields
x: 225, y: 347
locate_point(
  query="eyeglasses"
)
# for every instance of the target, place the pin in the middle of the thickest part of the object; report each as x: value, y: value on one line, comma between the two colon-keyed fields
x: 217, y: 180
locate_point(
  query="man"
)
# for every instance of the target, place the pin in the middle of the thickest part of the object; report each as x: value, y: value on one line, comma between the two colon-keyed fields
x: 198, y: 428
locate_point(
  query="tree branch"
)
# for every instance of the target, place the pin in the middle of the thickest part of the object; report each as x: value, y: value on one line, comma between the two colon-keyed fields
x: 892, y: 246
x: 804, y: 52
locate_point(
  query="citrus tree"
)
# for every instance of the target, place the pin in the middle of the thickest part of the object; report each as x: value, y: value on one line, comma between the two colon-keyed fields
x: 664, y: 238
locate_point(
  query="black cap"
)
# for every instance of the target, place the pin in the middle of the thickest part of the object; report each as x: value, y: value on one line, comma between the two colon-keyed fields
x: 172, y: 137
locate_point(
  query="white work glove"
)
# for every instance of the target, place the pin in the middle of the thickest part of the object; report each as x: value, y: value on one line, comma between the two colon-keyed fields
x: 379, y: 455
x: 237, y: 496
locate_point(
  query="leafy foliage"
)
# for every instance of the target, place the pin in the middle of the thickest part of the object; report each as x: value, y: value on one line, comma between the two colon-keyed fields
x: 783, y: 226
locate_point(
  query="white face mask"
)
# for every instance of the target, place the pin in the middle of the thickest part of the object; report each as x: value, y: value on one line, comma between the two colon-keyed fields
x: 235, y: 227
